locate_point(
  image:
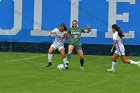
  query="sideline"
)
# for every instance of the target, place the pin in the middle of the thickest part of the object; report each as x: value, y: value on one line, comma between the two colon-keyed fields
x: 27, y: 58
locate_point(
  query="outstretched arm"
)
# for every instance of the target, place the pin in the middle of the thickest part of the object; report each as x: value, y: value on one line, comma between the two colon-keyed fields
x: 50, y: 33
x: 88, y: 29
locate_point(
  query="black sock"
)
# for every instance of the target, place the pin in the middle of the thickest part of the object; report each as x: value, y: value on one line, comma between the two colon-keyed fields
x: 81, y: 62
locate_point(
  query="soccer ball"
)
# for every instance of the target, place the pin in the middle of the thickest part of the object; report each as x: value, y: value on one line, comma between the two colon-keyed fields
x: 61, y: 67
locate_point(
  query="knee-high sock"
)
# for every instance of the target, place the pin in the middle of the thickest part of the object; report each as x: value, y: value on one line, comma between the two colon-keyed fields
x: 65, y: 60
x: 113, y: 65
x: 82, y: 62
x: 68, y: 57
x: 49, y: 57
x: 133, y: 62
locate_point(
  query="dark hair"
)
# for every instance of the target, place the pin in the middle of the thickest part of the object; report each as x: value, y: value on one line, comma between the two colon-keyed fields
x: 63, y: 25
x: 117, y: 28
x: 75, y: 21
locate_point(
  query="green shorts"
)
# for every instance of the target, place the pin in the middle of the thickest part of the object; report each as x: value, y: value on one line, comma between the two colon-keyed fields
x: 77, y: 46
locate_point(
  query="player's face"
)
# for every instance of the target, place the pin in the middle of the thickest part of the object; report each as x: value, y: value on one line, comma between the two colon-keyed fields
x: 74, y: 24
x: 61, y: 28
x: 113, y: 30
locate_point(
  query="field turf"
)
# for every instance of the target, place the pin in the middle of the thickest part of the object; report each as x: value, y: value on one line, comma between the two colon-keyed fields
x: 26, y: 73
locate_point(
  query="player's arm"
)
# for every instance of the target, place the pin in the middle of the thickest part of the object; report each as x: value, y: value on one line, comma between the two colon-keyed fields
x: 88, y: 29
x: 52, y: 32
x: 115, y: 35
x: 65, y: 37
x: 123, y: 40
x: 68, y: 34
x: 114, y: 44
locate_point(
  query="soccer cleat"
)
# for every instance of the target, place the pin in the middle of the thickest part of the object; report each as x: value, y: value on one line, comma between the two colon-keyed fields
x: 110, y: 70
x: 139, y: 64
x: 49, y: 64
x: 66, y: 65
x: 82, y: 68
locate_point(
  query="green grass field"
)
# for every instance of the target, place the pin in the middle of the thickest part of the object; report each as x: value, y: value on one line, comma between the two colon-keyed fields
x: 26, y: 73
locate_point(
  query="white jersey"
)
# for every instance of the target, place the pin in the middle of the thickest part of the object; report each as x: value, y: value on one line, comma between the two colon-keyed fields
x: 58, y: 42
x: 58, y: 35
x: 119, y: 45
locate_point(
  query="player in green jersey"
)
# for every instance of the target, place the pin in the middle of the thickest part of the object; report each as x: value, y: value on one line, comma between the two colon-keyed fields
x: 74, y: 34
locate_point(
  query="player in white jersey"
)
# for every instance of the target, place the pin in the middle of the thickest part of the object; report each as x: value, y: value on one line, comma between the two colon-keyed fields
x: 118, y: 38
x: 60, y: 37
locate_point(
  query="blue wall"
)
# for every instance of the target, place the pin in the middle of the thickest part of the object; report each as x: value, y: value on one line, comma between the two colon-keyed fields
x: 55, y: 12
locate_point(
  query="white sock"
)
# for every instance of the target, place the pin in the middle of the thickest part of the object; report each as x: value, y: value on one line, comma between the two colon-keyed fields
x: 133, y: 62
x: 65, y: 60
x: 113, y: 65
x: 49, y: 57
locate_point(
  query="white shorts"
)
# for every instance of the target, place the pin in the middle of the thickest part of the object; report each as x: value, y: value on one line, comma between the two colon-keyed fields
x: 120, y: 52
x: 58, y: 46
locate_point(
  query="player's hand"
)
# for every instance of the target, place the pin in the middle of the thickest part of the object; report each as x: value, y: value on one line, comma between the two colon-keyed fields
x: 111, y: 50
x: 49, y: 34
x: 67, y: 35
x: 64, y: 39
x: 88, y: 26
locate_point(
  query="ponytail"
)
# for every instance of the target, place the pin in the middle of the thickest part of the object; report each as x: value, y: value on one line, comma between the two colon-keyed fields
x: 117, y: 28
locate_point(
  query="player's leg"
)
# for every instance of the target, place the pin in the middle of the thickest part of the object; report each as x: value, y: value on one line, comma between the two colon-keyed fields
x: 114, y: 58
x: 50, y: 51
x: 123, y: 58
x: 70, y: 50
x: 81, y: 55
x: 63, y: 55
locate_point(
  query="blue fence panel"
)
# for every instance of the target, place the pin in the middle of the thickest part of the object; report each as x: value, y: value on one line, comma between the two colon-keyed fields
x: 54, y: 12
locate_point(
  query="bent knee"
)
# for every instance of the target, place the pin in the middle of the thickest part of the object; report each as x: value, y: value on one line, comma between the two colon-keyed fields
x: 81, y: 56
x: 49, y: 52
x: 70, y: 52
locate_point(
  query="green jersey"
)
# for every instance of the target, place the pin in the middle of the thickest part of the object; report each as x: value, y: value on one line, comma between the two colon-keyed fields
x: 75, y: 35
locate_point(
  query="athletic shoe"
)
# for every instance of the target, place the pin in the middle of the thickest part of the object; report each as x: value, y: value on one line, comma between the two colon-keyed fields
x: 82, y: 68
x: 139, y: 64
x: 110, y: 70
x: 49, y: 64
x: 67, y: 65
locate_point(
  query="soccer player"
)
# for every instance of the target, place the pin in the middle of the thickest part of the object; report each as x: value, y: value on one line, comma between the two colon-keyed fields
x: 60, y: 37
x: 118, y: 38
x: 74, y: 34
